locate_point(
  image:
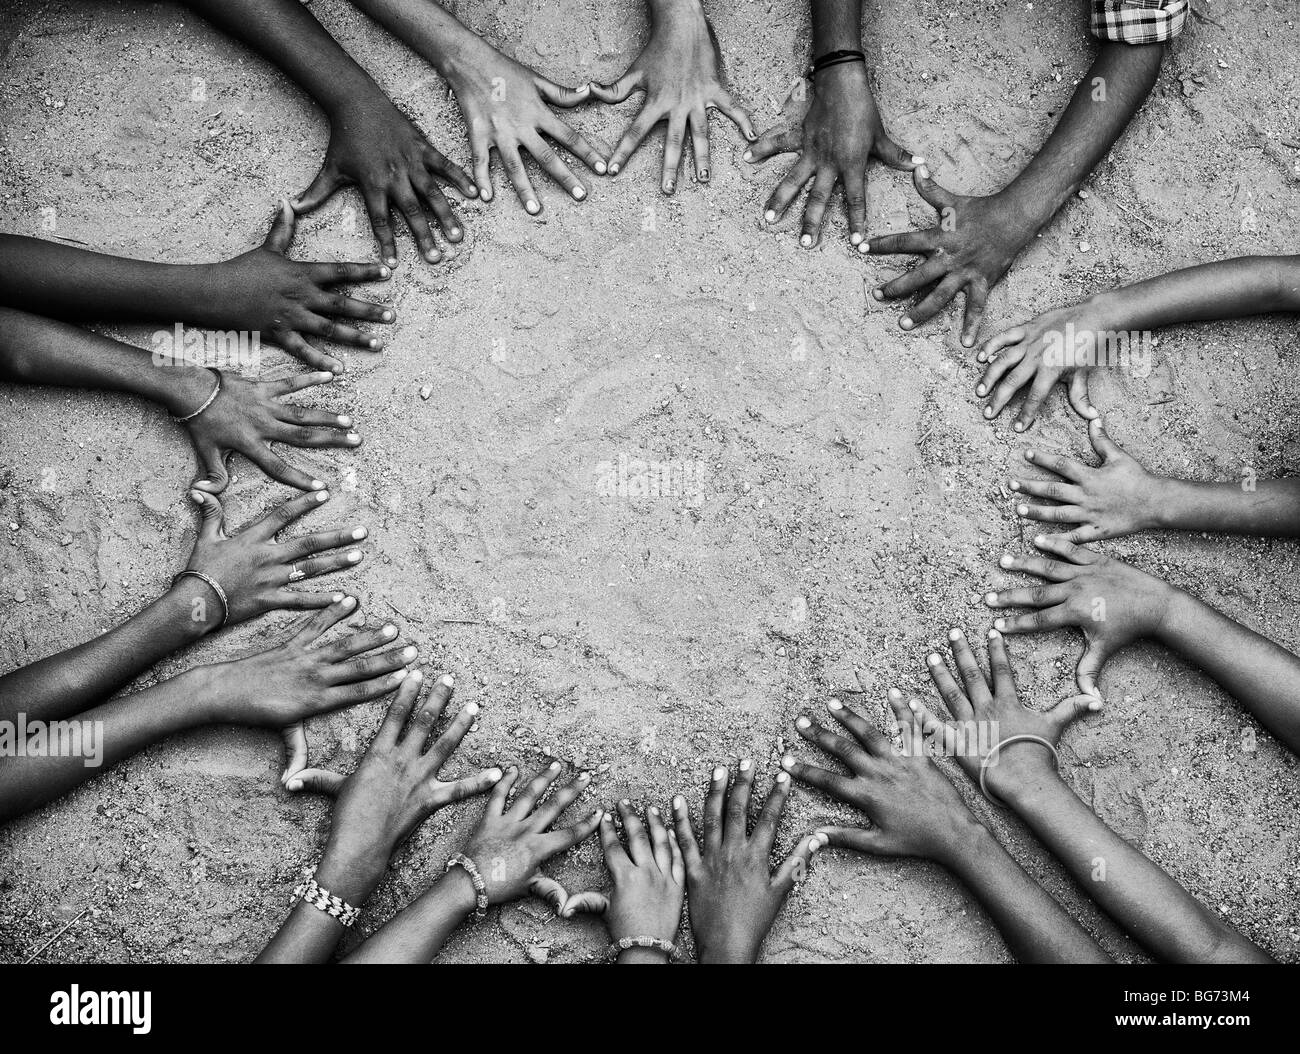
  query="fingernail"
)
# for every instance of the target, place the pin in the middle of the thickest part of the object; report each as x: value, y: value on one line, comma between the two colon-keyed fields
x: 322, y: 496
x: 354, y: 556
x: 1020, y: 426
x: 669, y: 186
x: 1006, y: 560
x: 994, y: 635
x: 905, y: 322
x: 855, y: 238
x: 389, y: 630
x: 349, y: 601
x: 1014, y: 484
x: 600, y: 168
x: 384, y: 272
x: 392, y: 261
x: 409, y: 652
x: 495, y: 775
x: 447, y: 679
x: 336, y: 597
x: 613, y: 169
x: 988, y: 411
x: 433, y: 256
x: 704, y: 176
x: 358, y: 534
x: 1000, y: 624
x: 1040, y: 539
x: 865, y: 247
x: 834, y: 704
x: 748, y: 155
x: 352, y: 437
x: 471, y: 709
x: 398, y: 677
x: 744, y: 764
x: 802, y: 722
x: 1022, y: 510
x: 416, y: 676
x: 917, y: 159
x: 579, y: 193
x: 532, y: 207
x: 954, y: 634
x: 317, y: 485
x: 374, y: 344
x: 933, y: 659
x: 980, y: 390
x: 654, y: 811
x: 925, y: 172
x: 770, y: 215
x: 1095, y: 705
x: 583, y: 777
x: 679, y: 802
x: 805, y: 240
x: 783, y: 777
x: 911, y: 704
x: 295, y: 785
x: 787, y: 761
x: 387, y: 316
x: 720, y: 773
x: 991, y: 599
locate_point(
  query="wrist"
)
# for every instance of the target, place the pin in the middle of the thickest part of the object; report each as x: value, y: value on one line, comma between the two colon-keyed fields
x: 1023, y: 794
x: 192, y: 608
x: 961, y: 836
x: 187, y: 387
x: 728, y: 952
x: 1177, y: 609
x: 459, y: 889
x: 350, y: 872
x: 642, y: 956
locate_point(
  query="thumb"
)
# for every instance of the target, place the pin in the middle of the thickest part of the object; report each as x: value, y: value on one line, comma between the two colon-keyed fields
x: 561, y: 96
x: 1093, y: 659
x: 316, y: 781
x: 588, y: 903
x: 1070, y: 709
x: 327, y: 181
x: 215, y: 477
x: 619, y: 90
x: 281, y: 233
x: 212, y: 521
x: 894, y: 155
x: 933, y: 194
x: 1106, y: 447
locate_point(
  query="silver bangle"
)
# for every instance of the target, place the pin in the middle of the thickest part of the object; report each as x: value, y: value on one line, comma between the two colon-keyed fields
x: 626, y: 943
x: 988, y: 758
x: 216, y: 390
x: 216, y: 588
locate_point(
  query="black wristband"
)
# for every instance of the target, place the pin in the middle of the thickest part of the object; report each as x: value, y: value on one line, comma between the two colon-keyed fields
x: 834, y: 58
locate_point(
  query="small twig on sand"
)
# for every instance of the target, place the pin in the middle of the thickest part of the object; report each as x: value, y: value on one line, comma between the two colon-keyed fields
x: 409, y: 618
x: 1142, y: 220
x: 61, y: 932
x: 462, y: 621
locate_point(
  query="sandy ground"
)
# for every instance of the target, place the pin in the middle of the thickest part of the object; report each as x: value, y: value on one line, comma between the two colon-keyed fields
x: 844, y: 503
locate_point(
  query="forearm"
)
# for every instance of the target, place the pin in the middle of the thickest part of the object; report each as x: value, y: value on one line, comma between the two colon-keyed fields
x: 72, y: 680
x: 1247, y: 285
x: 418, y: 933
x: 46, y: 761
x: 1270, y: 508
x: 1262, y: 676
x: 1035, y: 927
x: 310, y: 935
x: 836, y: 26
x: 36, y: 350
x: 60, y: 280
x: 1110, y: 93
x: 1150, y: 905
x: 287, y: 34
x: 431, y: 32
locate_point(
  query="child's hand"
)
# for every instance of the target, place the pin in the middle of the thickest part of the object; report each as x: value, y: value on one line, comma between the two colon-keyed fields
x: 505, y: 106
x: 913, y: 808
x: 1042, y: 351
x: 254, y: 570
x: 841, y: 132
x: 265, y: 292
x: 981, y: 717
x: 1112, y: 603
x: 374, y: 145
x: 513, y: 840
x: 735, y: 894
x: 680, y: 71
x: 1116, y: 498
x: 247, y: 415
x: 295, y: 680
x: 649, y: 879
x: 396, y: 787
x: 971, y: 249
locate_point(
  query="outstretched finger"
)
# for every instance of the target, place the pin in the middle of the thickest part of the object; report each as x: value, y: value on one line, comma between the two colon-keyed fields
x: 685, y: 833
x: 327, y: 181
x: 280, y: 237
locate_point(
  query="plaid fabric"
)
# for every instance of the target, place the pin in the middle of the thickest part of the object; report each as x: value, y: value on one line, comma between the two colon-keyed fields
x: 1138, y: 21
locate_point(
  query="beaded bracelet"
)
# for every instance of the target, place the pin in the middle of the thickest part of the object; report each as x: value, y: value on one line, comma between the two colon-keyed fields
x: 216, y: 390
x: 480, y: 887
x: 216, y: 588
x: 625, y: 943
x: 311, y: 892
x: 988, y: 759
